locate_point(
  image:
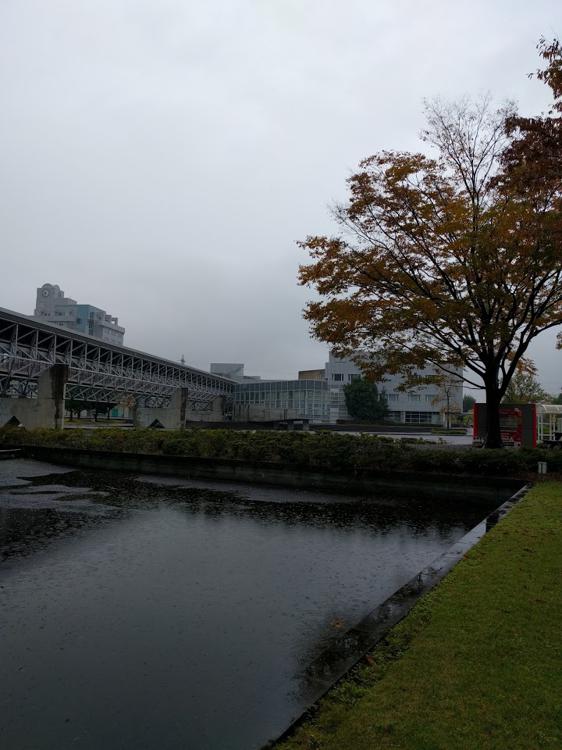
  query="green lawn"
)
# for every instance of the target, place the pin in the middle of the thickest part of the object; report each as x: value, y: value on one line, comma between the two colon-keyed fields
x: 477, y: 664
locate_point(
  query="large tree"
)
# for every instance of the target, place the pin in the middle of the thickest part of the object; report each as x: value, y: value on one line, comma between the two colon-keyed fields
x: 451, y: 260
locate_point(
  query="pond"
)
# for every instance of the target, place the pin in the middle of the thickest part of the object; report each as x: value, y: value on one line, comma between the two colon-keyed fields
x: 141, y: 612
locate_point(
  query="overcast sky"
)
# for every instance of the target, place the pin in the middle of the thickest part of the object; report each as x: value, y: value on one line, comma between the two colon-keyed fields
x: 159, y: 158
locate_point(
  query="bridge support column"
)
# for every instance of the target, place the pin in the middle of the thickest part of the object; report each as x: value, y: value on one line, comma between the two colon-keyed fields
x: 50, y: 392
x: 213, y: 413
x: 178, y: 405
x: 47, y: 410
x: 173, y: 417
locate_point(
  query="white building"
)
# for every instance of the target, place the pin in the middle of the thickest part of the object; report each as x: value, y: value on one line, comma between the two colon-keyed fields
x: 319, y: 395
x: 53, y: 307
x: 428, y: 404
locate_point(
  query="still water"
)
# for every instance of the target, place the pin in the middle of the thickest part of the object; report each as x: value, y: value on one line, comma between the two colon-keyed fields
x: 160, y: 613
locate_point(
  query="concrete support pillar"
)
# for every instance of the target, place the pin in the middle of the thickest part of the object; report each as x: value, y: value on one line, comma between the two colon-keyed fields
x: 173, y: 416
x: 213, y: 413
x: 50, y: 394
x: 178, y: 407
x: 135, y: 414
x: 47, y: 410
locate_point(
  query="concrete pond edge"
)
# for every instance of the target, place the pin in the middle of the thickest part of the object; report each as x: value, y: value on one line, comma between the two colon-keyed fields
x: 453, y: 486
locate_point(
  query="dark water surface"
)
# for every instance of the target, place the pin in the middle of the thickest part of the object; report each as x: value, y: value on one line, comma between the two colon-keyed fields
x: 173, y: 614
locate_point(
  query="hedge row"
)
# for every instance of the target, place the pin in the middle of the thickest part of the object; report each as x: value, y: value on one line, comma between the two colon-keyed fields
x: 323, y: 450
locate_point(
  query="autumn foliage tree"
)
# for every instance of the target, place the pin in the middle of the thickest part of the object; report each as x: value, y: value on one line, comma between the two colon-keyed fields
x: 524, y: 388
x: 453, y: 260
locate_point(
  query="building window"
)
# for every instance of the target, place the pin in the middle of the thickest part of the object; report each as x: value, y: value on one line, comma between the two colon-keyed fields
x: 337, y: 376
x: 414, y: 397
x: 392, y: 397
x: 418, y: 417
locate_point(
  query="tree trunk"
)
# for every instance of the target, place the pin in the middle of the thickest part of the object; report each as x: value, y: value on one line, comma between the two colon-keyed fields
x: 493, y: 432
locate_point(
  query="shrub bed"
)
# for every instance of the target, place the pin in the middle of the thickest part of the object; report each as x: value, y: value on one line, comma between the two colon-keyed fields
x: 319, y: 450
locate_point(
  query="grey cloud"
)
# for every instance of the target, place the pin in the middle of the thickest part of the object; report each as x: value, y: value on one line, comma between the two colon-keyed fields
x: 159, y: 159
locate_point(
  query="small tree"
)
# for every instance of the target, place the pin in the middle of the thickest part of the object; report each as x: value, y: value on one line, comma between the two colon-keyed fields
x: 448, y: 399
x: 75, y: 407
x: 524, y: 388
x: 101, y: 407
x: 364, y: 402
x: 467, y: 403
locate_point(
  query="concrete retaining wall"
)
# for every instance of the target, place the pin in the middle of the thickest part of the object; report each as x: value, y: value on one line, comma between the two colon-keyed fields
x: 477, y: 489
x: 254, y: 413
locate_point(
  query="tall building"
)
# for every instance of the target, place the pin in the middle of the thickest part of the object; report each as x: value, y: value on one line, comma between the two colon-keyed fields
x: 53, y: 307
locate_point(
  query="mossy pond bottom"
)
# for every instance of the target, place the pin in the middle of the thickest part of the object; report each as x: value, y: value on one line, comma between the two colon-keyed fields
x: 140, y: 612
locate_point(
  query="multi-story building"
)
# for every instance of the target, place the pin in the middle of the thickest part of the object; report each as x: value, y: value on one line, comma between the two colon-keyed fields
x: 53, y: 307
x: 427, y: 404
x: 318, y: 395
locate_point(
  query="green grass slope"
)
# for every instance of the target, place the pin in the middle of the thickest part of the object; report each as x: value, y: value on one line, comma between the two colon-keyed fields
x: 478, y: 662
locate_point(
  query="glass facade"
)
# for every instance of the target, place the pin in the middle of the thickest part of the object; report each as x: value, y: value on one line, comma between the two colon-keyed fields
x: 322, y: 397
x: 307, y: 398
x: 421, y: 417
x: 315, y: 400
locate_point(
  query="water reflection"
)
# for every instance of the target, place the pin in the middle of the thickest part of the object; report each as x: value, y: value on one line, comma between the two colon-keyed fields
x: 141, y: 615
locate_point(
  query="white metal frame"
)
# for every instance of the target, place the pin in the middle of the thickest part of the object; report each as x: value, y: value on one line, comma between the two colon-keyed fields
x: 97, y: 370
x: 549, y: 421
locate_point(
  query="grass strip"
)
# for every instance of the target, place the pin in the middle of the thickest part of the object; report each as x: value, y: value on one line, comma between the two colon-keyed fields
x: 477, y: 664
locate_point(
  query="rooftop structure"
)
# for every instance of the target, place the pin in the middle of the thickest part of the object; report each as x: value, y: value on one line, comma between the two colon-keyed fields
x: 53, y: 307
x: 232, y: 370
x: 318, y: 374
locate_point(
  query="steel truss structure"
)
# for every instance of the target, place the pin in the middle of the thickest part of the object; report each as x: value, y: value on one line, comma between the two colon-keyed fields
x: 97, y: 371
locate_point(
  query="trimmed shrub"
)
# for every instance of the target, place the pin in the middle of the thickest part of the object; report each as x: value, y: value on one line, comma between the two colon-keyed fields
x: 330, y: 451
